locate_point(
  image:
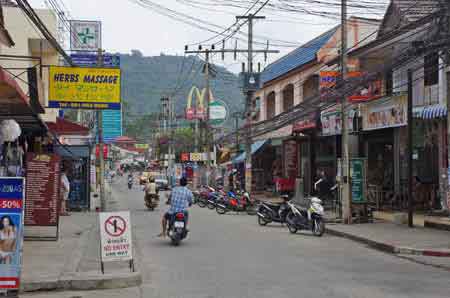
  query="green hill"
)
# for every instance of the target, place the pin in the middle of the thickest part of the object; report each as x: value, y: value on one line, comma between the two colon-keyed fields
x: 146, y: 79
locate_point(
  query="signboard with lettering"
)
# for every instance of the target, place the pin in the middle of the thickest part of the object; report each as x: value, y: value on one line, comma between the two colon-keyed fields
x: 11, y: 229
x: 357, y: 174
x: 84, y: 88
x: 43, y: 184
x: 290, y: 158
x: 115, y: 236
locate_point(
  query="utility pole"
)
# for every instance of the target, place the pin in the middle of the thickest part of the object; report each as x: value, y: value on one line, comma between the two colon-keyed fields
x: 345, y: 155
x: 248, y: 106
x: 100, y: 144
x: 249, y: 93
x: 207, y: 127
x: 410, y: 149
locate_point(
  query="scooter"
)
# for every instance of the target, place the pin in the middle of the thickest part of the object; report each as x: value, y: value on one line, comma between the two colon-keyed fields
x: 177, y: 228
x: 273, y: 212
x: 202, y: 199
x: 235, y: 203
x: 151, y: 201
x: 306, y: 216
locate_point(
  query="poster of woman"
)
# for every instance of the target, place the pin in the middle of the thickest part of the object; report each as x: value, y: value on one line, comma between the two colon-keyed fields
x: 8, y: 238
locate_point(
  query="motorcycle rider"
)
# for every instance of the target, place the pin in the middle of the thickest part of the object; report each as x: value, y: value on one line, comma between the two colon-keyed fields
x: 180, y: 199
x: 150, y: 188
x: 130, y: 180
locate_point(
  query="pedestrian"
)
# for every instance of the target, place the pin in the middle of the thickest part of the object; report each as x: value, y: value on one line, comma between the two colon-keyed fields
x: 65, y: 190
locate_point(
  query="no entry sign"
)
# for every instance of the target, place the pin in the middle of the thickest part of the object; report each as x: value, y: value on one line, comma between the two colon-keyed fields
x: 115, y: 235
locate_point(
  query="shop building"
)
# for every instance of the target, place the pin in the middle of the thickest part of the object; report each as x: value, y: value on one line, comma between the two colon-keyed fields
x: 294, y: 80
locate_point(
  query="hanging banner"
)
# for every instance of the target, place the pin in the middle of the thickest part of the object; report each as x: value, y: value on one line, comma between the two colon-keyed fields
x: 370, y: 91
x: 43, y: 185
x: 389, y: 112
x: 328, y: 80
x: 11, y: 230
x: 84, y: 88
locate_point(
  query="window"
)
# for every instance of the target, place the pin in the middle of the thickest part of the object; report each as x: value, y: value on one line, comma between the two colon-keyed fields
x: 431, y: 69
x: 270, y: 106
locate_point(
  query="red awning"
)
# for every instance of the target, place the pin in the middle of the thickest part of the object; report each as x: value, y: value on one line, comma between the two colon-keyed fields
x: 66, y: 127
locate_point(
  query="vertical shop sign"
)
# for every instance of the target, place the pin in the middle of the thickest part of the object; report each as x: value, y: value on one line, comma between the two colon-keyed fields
x: 11, y: 218
x: 290, y: 158
x: 43, y: 185
x: 357, y: 173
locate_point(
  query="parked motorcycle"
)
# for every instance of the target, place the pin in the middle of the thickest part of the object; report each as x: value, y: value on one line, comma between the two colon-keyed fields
x: 177, y: 228
x: 306, y: 216
x: 273, y: 212
x: 202, y: 199
x: 151, y: 201
x: 232, y: 202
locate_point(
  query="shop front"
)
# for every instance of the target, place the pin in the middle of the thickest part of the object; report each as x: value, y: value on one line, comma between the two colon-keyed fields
x: 306, y: 132
x: 76, y: 160
x: 430, y: 155
x: 384, y: 139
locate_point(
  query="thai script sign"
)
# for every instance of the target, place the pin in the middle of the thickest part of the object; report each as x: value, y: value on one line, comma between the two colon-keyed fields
x: 84, y: 88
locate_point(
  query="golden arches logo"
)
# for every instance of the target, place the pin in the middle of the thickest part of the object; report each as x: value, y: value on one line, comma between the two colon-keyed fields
x: 199, y: 95
x: 197, y: 112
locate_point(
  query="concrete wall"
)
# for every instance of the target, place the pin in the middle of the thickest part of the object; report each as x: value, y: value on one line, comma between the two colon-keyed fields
x: 30, y: 42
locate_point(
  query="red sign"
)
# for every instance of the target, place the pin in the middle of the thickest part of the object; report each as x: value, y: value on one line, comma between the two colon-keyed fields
x: 184, y: 156
x: 43, y: 184
x: 105, y: 151
x: 371, y: 90
x: 115, y: 226
x: 305, y: 124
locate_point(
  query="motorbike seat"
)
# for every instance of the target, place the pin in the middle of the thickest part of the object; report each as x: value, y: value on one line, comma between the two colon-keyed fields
x: 273, y: 204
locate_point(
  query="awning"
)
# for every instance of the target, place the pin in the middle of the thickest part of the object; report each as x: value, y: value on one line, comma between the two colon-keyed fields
x: 15, y: 104
x: 255, y: 147
x: 430, y: 112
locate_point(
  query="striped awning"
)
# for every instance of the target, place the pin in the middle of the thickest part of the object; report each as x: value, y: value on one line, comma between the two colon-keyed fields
x: 430, y: 112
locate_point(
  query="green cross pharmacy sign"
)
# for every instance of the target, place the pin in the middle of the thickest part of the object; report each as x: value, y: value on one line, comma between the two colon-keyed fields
x: 85, y: 35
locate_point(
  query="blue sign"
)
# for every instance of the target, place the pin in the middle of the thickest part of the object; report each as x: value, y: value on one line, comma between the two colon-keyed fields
x: 112, y: 125
x: 91, y: 60
x: 11, y: 231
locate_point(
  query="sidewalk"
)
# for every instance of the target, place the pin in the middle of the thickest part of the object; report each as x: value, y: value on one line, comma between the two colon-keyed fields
x: 73, y: 262
x: 424, y: 245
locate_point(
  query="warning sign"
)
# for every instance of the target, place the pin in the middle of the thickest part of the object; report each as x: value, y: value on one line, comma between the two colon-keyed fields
x: 115, y: 234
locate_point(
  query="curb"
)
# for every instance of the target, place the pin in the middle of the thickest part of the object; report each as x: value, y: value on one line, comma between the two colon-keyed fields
x: 389, y: 248
x: 81, y: 281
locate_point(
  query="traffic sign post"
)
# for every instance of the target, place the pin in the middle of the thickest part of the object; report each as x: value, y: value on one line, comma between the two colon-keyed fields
x: 115, y: 238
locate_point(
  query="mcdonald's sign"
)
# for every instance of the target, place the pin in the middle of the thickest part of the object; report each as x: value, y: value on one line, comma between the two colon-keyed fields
x: 198, y: 111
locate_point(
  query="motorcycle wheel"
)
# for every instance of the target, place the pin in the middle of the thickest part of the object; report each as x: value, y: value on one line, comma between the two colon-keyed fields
x: 211, y: 206
x: 318, y: 227
x: 220, y: 210
x: 292, y: 228
x: 201, y: 203
x: 251, y: 210
x: 175, y: 242
x: 262, y: 221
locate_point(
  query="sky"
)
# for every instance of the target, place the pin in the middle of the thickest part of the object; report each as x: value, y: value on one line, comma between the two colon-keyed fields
x: 127, y: 26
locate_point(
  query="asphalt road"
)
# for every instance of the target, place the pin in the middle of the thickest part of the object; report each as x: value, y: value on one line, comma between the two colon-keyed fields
x: 231, y: 256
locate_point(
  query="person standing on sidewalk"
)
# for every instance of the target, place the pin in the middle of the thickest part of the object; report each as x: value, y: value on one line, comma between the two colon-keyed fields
x: 65, y: 190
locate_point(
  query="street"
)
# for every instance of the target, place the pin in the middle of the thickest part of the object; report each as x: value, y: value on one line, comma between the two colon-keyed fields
x: 231, y: 256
